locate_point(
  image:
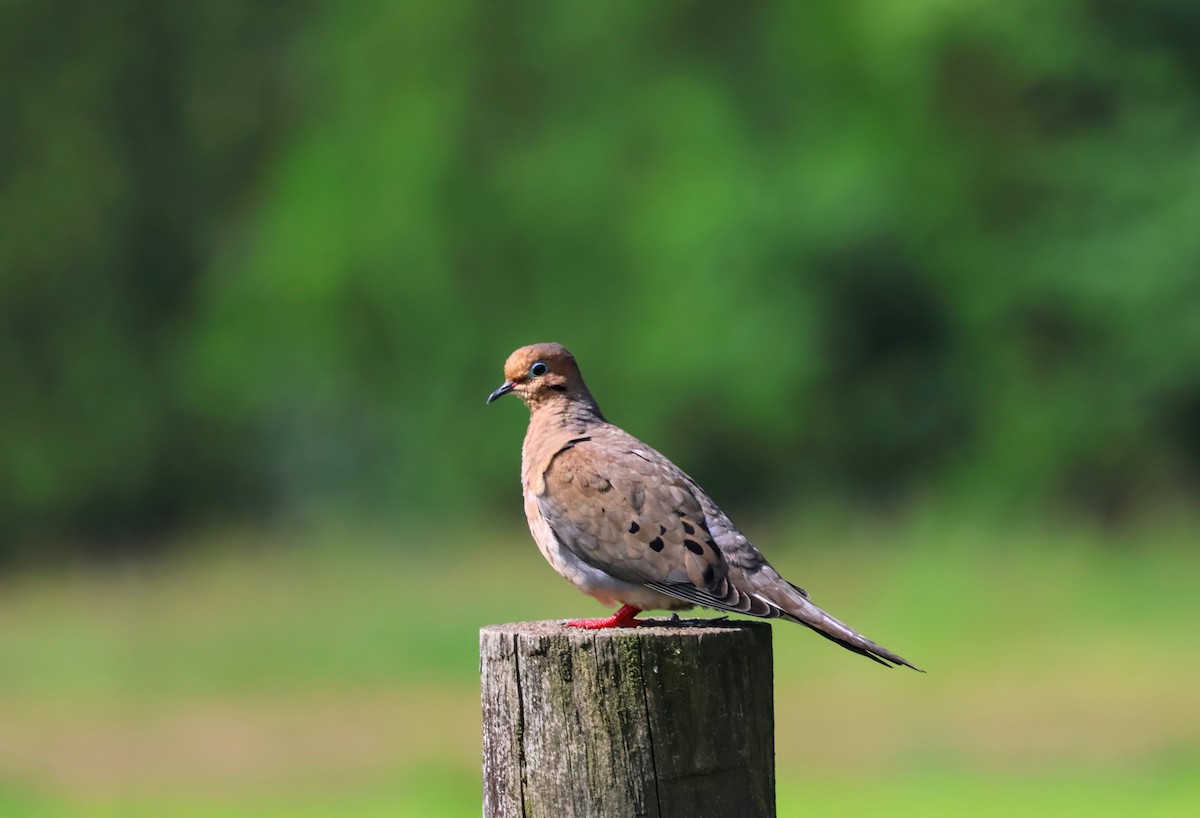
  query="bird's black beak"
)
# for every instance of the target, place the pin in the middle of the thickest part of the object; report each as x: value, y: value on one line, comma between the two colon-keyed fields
x: 504, y: 389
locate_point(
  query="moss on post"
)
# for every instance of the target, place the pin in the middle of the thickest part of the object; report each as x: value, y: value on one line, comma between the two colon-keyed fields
x: 668, y: 719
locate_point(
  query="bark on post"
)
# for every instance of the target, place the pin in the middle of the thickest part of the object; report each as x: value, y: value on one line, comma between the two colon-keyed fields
x: 668, y: 720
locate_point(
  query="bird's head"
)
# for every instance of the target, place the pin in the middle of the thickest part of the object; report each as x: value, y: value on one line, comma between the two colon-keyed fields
x: 541, y: 373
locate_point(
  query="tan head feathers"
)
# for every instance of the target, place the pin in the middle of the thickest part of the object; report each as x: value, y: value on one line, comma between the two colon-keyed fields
x: 543, y: 373
x: 556, y: 357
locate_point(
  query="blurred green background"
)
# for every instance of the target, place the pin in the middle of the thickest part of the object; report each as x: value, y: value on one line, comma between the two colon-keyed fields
x: 911, y: 286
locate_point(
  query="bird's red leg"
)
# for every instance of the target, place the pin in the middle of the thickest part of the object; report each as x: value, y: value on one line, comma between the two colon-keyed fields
x: 623, y: 618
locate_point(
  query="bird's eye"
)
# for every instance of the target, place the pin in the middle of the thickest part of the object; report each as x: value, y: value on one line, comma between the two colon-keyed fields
x: 538, y: 369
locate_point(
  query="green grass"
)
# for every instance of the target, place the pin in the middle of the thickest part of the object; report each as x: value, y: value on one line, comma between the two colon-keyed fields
x: 336, y: 673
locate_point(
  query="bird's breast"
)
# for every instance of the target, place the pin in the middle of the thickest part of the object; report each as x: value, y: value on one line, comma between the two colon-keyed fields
x: 594, y: 582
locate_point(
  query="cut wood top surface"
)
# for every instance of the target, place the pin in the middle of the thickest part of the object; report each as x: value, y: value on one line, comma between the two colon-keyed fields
x: 649, y: 627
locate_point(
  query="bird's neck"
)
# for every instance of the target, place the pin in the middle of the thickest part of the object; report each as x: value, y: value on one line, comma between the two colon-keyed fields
x: 565, y: 414
x: 552, y: 424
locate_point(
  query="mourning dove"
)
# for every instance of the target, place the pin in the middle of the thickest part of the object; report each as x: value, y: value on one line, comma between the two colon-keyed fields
x: 626, y: 525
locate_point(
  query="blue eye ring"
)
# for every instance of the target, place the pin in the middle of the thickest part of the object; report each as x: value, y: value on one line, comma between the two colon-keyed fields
x: 538, y: 369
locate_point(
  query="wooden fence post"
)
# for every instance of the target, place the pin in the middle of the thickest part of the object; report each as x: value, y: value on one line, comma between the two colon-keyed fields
x: 667, y: 720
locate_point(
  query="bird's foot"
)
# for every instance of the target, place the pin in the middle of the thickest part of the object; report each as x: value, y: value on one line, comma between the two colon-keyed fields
x: 623, y: 618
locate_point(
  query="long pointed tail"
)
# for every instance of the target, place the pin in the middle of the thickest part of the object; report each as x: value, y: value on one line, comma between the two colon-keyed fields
x: 799, y: 609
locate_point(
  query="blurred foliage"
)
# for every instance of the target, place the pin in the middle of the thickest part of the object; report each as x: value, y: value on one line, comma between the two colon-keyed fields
x: 265, y: 257
x: 322, y: 673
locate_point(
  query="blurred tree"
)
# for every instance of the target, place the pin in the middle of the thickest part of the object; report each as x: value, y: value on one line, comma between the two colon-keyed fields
x: 131, y: 135
x: 262, y: 257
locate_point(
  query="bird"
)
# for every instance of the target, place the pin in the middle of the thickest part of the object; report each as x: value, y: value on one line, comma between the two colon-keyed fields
x: 627, y: 526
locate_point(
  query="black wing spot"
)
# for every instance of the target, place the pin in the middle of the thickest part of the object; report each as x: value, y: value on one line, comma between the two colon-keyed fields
x: 709, y: 574
x: 657, y: 544
x: 713, y: 546
x: 634, y: 527
x: 693, y: 546
x: 662, y: 529
x: 571, y: 443
x: 688, y: 528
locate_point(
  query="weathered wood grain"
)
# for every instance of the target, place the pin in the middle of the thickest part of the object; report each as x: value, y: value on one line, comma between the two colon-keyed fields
x: 668, y: 720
